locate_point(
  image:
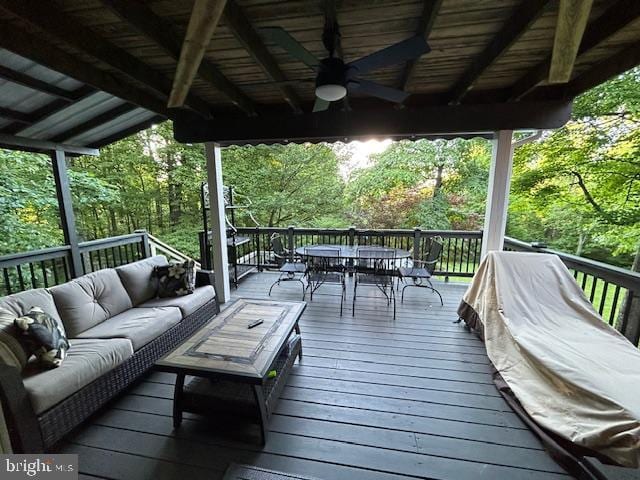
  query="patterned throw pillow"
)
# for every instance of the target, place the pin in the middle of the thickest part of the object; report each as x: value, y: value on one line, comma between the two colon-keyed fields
x: 45, y: 336
x: 176, y: 279
x: 14, y: 351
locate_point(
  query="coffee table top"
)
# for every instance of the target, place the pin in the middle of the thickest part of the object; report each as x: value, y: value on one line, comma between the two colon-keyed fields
x: 225, y: 346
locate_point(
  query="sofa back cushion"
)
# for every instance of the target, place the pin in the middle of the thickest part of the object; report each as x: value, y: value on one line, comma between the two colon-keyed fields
x: 89, y: 300
x: 12, y: 350
x: 137, y: 278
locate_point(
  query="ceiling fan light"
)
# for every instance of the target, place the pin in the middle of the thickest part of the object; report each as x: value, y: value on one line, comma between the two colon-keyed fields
x: 331, y: 92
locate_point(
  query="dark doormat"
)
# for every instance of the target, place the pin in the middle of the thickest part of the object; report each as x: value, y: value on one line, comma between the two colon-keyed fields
x: 247, y: 472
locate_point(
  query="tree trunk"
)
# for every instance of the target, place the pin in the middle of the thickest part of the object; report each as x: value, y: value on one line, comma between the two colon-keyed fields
x: 174, y: 192
x: 632, y: 330
x: 113, y: 222
x: 159, y: 216
x: 582, y: 240
x: 97, y: 231
x: 438, y: 186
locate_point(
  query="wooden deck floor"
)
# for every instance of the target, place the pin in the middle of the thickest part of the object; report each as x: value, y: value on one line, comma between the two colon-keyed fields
x: 373, y: 399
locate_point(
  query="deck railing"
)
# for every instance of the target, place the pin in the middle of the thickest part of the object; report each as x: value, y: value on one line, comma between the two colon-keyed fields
x: 52, y: 266
x: 460, y: 257
x: 613, y: 291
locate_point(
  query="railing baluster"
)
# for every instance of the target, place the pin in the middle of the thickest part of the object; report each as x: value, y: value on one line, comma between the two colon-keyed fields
x: 594, y: 283
x: 20, y: 277
x: 43, y: 267
x: 614, y: 305
x: 34, y: 283
x: 7, y: 281
x: 603, y: 298
x: 56, y: 278
x: 65, y: 269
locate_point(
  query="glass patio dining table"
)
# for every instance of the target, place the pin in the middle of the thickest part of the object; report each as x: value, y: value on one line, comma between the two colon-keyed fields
x: 348, y: 252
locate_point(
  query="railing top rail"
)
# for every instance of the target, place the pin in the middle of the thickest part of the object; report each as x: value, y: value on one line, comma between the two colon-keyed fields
x: 111, y: 242
x: 620, y: 276
x: 169, y: 250
x: 363, y: 231
x: 34, y: 256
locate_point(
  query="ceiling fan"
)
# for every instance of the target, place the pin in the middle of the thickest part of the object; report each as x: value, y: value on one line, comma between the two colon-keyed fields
x: 334, y: 77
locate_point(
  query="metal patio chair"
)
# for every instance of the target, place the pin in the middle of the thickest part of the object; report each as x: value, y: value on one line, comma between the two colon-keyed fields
x: 375, y: 266
x: 326, y: 266
x: 287, y: 266
x: 421, y: 271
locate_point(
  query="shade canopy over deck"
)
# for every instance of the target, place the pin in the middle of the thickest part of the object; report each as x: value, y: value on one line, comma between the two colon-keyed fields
x: 90, y: 72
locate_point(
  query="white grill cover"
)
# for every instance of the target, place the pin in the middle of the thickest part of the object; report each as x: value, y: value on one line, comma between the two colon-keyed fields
x: 573, y: 374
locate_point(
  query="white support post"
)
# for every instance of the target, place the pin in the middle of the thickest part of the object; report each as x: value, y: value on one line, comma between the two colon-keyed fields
x: 218, y: 224
x: 495, y: 217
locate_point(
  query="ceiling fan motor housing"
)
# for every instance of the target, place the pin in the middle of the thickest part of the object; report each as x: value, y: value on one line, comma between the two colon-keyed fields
x: 332, y: 71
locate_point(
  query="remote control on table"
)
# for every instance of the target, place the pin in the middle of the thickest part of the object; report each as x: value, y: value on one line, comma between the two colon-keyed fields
x: 255, y: 323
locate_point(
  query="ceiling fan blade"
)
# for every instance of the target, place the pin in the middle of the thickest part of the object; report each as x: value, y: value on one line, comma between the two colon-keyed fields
x: 408, y: 49
x: 320, y: 105
x: 284, y: 39
x: 376, y: 90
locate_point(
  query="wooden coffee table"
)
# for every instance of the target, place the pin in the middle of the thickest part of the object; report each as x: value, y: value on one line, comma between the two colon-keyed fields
x: 237, y: 370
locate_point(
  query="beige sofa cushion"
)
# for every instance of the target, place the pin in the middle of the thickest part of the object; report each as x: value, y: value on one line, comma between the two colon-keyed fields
x: 136, y: 278
x: 187, y: 303
x: 12, y: 351
x: 21, y: 303
x: 90, y: 300
x: 86, y: 361
x: 140, y: 325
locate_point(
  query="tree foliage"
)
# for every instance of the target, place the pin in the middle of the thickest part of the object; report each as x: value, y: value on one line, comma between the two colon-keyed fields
x: 576, y: 188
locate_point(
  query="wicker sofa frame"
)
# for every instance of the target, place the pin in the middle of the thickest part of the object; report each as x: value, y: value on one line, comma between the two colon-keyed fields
x: 31, y: 433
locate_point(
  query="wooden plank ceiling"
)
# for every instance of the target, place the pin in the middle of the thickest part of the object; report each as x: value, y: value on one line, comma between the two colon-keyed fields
x: 483, y: 52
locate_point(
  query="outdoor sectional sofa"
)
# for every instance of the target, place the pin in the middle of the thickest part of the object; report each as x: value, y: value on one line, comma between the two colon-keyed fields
x: 117, y: 330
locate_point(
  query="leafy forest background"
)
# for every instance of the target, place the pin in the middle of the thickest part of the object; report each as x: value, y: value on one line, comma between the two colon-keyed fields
x: 576, y: 188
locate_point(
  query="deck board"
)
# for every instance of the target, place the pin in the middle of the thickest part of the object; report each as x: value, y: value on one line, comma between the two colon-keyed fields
x: 374, y: 398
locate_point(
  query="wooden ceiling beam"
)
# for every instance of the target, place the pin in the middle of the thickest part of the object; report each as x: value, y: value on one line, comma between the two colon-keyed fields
x: 14, y: 142
x: 163, y: 33
x: 205, y: 16
x: 573, y: 16
x: 246, y: 34
x: 94, y: 122
x: 515, y: 26
x: 33, y: 83
x: 45, y: 17
x: 49, y: 109
x: 382, y: 122
x: 33, y: 47
x: 425, y: 25
x: 16, y: 115
x: 614, y: 19
x: 619, y: 63
x: 127, y: 132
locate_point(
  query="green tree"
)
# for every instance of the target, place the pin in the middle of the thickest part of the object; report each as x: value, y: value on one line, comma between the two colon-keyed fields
x: 287, y: 184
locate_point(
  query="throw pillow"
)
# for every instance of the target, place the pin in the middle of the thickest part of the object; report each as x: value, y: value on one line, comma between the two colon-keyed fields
x: 45, y: 335
x: 176, y: 279
x: 14, y: 351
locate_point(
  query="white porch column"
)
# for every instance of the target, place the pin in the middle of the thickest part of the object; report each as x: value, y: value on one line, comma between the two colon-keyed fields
x: 495, y: 217
x: 218, y: 224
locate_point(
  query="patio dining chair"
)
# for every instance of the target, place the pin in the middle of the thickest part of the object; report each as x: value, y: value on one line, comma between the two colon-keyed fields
x: 326, y: 266
x: 375, y: 266
x: 421, y: 271
x: 290, y: 270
